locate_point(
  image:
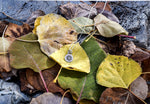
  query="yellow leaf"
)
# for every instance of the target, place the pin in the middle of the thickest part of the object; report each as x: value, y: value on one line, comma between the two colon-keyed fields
x: 117, y: 71
x: 107, y: 27
x: 80, y: 59
x: 53, y: 32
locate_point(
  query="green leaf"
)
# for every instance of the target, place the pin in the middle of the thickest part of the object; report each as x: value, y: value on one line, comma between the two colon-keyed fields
x: 107, y: 27
x: 74, y: 80
x: 80, y: 24
x: 22, y: 54
x: 117, y: 71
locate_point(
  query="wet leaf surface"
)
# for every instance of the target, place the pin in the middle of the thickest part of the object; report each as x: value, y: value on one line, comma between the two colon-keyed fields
x: 117, y: 71
x: 74, y: 80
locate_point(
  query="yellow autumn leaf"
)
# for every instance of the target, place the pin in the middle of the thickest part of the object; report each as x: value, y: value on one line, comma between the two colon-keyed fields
x: 117, y: 71
x: 53, y: 32
x: 80, y: 60
x: 107, y: 27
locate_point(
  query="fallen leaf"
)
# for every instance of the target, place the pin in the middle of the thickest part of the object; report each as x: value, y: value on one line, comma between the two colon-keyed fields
x: 146, y: 65
x: 74, y: 80
x: 80, y: 61
x: 5, y: 43
x: 80, y: 24
x: 53, y: 32
x: 14, y: 30
x: 107, y: 11
x: 140, y: 55
x: 147, y: 78
x: 4, y: 60
x: 140, y: 88
x: 100, y: 5
x: 119, y: 96
x: 3, y: 25
x: 22, y: 53
x: 71, y: 11
x: 4, y: 63
x: 49, y: 75
x: 50, y: 98
x: 25, y: 86
x: 108, y: 28
x: 117, y: 71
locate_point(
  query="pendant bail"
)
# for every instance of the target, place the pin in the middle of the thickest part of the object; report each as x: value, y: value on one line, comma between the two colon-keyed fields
x: 69, y: 57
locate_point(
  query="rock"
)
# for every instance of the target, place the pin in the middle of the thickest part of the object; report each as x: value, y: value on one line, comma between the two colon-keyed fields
x: 10, y: 94
x: 49, y: 98
x: 33, y: 17
x: 134, y: 17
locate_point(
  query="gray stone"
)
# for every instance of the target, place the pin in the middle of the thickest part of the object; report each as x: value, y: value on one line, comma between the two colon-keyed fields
x: 134, y: 16
x: 10, y: 94
x: 49, y: 98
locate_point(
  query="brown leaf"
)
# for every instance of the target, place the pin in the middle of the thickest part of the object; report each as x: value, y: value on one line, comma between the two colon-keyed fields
x: 100, y: 5
x: 146, y: 64
x: 147, y: 78
x: 14, y: 30
x: 25, y: 86
x: 4, y: 64
x: 49, y: 75
x: 119, y: 96
x: 140, y: 55
x: 70, y: 10
x: 140, y: 88
x: 112, y: 45
x: 107, y: 11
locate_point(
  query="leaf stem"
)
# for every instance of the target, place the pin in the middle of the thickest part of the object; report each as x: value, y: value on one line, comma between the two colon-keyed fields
x: 37, y: 68
x: 90, y: 36
x: 3, y: 53
x: 24, y: 40
x: 126, y: 36
x: 41, y: 75
x: 137, y: 96
x: 55, y: 80
x: 81, y: 91
x: 64, y: 96
x: 146, y: 73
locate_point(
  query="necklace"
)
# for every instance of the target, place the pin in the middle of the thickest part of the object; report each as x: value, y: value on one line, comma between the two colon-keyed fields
x: 69, y: 56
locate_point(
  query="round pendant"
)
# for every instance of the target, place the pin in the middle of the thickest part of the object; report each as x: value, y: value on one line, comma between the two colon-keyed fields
x: 69, y: 58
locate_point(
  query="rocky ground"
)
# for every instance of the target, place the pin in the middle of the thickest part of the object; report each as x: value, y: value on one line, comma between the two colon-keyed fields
x: 134, y: 16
